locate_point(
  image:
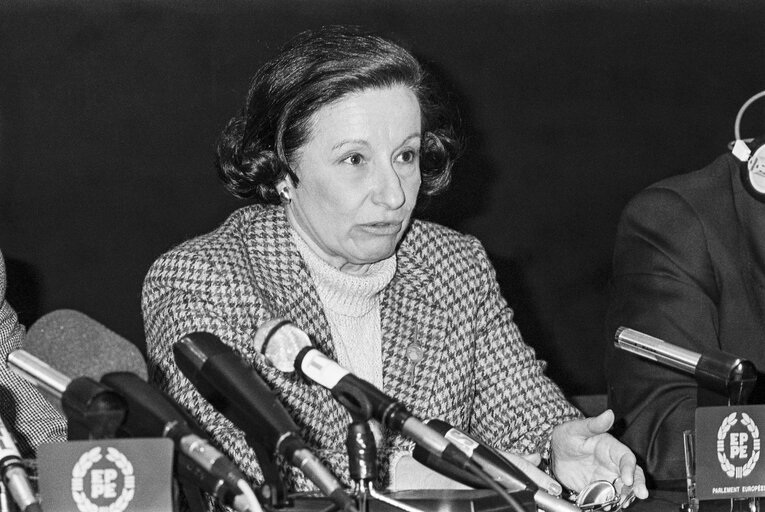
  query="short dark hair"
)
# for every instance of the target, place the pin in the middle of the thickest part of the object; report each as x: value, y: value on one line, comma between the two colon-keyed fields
x: 317, y: 68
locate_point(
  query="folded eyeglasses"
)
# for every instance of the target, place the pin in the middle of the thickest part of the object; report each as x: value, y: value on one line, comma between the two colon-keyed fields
x: 602, y: 495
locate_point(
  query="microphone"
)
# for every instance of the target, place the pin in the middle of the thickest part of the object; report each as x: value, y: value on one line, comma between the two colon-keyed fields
x: 236, y: 390
x: 125, y: 405
x: 713, y: 369
x: 493, y: 463
x: 150, y: 413
x: 13, y: 474
x: 72, y: 340
x: 92, y: 410
x: 288, y: 348
x: 82, y: 349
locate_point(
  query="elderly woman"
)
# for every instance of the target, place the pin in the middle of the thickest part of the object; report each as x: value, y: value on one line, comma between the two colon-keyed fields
x: 339, y: 138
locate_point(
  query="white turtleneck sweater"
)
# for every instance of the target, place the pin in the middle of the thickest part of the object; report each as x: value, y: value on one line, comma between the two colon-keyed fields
x: 352, y: 307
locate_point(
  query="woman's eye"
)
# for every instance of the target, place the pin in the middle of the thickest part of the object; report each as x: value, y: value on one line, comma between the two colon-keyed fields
x: 354, y: 159
x: 408, y: 156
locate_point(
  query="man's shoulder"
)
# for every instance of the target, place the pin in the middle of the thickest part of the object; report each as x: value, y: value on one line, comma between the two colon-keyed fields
x: 703, y: 184
x: 704, y: 193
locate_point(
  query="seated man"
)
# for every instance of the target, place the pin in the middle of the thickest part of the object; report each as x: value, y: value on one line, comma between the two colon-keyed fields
x: 689, y: 268
x: 29, y: 417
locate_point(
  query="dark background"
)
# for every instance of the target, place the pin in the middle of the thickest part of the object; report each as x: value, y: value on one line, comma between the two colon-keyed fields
x: 109, y: 112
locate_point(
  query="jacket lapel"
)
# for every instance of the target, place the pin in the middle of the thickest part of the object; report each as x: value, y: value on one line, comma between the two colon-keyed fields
x: 287, y: 291
x: 284, y: 280
x: 414, y: 328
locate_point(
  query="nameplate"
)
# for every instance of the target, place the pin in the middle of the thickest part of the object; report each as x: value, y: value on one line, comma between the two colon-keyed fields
x: 115, y: 475
x: 728, y: 452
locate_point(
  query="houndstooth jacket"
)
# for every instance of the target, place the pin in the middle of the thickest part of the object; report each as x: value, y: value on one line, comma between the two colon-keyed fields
x: 477, y: 373
x: 30, y: 418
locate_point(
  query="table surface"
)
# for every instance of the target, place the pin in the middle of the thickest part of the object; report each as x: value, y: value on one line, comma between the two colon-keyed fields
x: 670, y: 501
x: 658, y: 501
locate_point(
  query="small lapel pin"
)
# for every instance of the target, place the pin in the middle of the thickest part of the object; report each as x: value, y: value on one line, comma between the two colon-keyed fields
x: 414, y: 354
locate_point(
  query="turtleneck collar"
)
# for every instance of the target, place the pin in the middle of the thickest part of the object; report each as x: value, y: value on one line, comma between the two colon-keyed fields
x: 348, y: 294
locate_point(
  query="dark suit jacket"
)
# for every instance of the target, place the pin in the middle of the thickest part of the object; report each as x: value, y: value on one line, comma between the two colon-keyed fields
x: 689, y: 268
x: 476, y: 374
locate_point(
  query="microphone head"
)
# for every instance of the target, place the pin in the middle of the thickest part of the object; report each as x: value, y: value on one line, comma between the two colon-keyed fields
x: 78, y: 346
x: 280, y: 341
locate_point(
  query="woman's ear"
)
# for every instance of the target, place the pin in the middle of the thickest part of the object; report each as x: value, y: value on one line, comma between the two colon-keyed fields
x: 284, y: 188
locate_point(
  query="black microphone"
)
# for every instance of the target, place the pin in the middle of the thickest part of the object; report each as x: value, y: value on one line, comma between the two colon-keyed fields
x: 288, y: 348
x: 150, y: 413
x: 235, y: 389
x: 713, y: 369
x: 13, y: 474
x: 493, y: 463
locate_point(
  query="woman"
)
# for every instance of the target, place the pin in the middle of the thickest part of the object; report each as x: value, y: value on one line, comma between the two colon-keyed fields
x: 339, y: 138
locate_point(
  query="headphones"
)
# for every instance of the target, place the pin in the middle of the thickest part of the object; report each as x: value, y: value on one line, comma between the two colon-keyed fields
x: 751, y: 151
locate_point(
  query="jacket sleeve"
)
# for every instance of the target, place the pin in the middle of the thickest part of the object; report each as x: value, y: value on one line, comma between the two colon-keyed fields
x: 663, y: 285
x: 516, y: 405
x: 180, y: 295
x: 30, y: 417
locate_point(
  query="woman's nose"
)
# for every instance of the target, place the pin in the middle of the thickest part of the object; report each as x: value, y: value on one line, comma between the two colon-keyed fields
x: 388, y: 189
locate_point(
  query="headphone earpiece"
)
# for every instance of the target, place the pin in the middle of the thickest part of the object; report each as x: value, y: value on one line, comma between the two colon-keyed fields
x: 756, y: 162
x: 751, y: 154
x: 751, y: 151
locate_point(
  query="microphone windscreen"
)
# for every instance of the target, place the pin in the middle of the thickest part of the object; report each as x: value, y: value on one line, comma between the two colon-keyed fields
x: 78, y: 346
x: 281, y: 341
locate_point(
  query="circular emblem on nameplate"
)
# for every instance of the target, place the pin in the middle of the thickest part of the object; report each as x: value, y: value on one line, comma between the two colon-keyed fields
x: 738, y: 445
x: 103, y: 483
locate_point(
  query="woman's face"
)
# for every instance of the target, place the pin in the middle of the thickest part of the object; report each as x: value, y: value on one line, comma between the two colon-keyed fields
x: 359, y: 175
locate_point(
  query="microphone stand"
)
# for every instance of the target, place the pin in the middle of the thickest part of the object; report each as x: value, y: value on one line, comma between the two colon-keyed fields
x: 740, y: 381
x: 362, y: 454
x: 362, y: 460
x: 713, y: 369
x: 272, y: 493
x: 736, y: 377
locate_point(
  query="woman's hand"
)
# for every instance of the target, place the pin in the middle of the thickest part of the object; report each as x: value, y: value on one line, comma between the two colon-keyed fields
x: 583, y: 451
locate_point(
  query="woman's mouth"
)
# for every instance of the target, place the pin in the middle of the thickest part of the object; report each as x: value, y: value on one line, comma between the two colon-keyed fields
x: 382, y: 228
